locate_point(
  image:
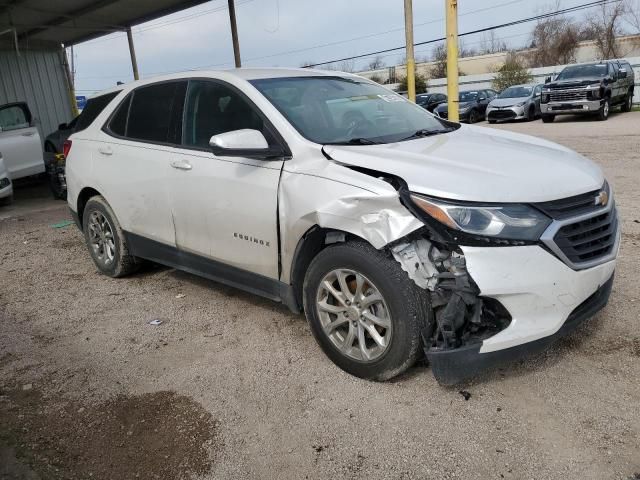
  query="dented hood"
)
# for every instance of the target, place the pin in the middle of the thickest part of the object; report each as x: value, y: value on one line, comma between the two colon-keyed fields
x: 479, y: 164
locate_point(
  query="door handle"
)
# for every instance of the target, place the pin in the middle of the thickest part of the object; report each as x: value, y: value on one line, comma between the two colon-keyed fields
x: 105, y: 150
x: 28, y: 134
x: 181, y: 165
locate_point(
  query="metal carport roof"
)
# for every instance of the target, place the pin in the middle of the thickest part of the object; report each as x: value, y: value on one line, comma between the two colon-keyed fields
x: 68, y: 22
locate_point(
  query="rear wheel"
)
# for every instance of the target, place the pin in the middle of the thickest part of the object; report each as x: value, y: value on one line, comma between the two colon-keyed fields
x: 364, y: 311
x: 603, y: 113
x: 473, y: 116
x: 105, y: 239
x: 548, y: 118
x: 628, y: 102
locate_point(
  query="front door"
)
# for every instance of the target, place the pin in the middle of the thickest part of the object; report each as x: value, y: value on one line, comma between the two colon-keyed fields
x: 224, y: 208
x: 20, y: 141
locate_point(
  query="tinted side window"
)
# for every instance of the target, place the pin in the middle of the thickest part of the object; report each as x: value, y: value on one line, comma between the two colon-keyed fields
x: 150, y: 112
x: 94, y: 107
x: 118, y: 123
x: 211, y: 109
x: 14, y: 117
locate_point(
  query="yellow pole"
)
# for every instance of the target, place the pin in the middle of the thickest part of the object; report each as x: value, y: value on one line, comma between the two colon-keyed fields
x: 452, y: 58
x: 411, y: 62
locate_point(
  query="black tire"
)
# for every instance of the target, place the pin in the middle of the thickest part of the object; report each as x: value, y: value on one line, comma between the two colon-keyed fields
x: 548, y: 118
x: 628, y: 102
x: 123, y: 263
x: 492, y: 122
x: 531, y: 114
x: 603, y: 113
x: 408, y: 308
x: 473, y: 117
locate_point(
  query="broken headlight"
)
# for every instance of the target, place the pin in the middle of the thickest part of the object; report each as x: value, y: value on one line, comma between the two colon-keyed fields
x: 509, y: 221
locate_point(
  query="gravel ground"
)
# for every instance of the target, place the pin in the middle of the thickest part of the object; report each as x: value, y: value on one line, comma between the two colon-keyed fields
x: 244, y: 381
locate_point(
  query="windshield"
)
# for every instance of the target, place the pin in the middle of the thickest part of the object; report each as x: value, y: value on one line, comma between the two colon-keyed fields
x: 468, y: 96
x: 516, y: 92
x: 338, y: 110
x: 583, y: 71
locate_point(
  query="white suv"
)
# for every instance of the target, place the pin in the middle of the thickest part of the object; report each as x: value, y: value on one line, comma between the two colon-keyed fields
x: 399, y: 234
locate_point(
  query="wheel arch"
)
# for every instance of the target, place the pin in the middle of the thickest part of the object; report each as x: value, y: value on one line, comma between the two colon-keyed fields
x: 83, y: 197
x: 314, y: 241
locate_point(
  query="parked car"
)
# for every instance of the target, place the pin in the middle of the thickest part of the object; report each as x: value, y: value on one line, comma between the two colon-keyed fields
x: 519, y: 102
x: 54, y: 145
x: 472, y: 105
x: 20, y: 141
x: 591, y: 88
x: 395, y: 237
x: 429, y: 101
x: 6, y: 188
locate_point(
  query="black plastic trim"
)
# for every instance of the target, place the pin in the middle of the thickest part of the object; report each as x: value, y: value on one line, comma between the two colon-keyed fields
x: 168, y: 255
x: 451, y: 367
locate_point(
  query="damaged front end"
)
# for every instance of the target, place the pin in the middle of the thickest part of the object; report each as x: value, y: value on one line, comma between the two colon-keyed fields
x: 461, y: 319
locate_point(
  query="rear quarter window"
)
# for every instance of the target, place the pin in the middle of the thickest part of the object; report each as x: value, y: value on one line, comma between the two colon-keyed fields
x: 94, y: 107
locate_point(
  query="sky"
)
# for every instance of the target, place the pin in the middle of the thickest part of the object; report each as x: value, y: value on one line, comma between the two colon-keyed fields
x: 288, y: 33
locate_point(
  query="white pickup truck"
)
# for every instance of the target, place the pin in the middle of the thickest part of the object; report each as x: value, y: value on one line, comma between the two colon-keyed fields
x: 20, y: 146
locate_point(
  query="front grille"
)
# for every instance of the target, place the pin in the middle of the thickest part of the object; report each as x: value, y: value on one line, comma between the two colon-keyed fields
x: 589, y: 239
x: 568, y: 95
x: 502, y: 114
x: 572, y: 206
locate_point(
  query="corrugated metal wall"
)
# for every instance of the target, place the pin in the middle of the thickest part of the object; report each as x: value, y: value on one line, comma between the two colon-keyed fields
x: 37, y: 77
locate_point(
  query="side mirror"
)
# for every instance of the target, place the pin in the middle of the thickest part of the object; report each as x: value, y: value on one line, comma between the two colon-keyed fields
x: 547, y: 80
x: 243, y: 143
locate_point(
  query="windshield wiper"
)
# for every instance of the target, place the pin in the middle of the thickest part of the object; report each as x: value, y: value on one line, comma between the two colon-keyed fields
x: 356, y: 141
x: 427, y: 133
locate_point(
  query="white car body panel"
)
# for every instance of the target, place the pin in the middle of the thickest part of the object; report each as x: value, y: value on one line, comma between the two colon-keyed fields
x: 22, y: 151
x: 538, y: 290
x: 481, y: 165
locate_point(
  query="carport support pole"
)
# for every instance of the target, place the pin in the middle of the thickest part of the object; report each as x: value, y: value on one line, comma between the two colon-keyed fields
x: 451, y: 7
x: 234, y: 33
x: 411, y: 61
x: 132, y: 52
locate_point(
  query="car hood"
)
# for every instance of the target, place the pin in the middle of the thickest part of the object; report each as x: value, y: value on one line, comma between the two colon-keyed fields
x: 461, y: 106
x: 479, y: 164
x: 507, y: 102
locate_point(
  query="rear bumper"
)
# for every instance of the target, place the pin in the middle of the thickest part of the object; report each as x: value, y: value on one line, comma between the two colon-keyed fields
x: 454, y: 366
x: 571, y: 107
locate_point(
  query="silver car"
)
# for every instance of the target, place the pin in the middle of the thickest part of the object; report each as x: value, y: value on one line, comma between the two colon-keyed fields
x: 519, y: 102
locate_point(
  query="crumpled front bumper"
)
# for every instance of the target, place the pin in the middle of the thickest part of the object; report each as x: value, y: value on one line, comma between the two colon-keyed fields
x: 545, y: 298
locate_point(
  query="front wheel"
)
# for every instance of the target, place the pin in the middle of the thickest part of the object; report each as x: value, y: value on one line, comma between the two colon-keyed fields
x: 628, y: 102
x: 473, y: 117
x: 548, y: 118
x: 105, y: 239
x: 603, y: 113
x: 364, y: 310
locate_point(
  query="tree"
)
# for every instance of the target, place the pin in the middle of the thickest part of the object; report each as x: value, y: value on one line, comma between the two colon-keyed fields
x: 633, y: 15
x: 490, y: 43
x: 555, y: 40
x: 439, y: 69
x: 376, y: 78
x: 421, y: 84
x: 513, y: 72
x: 606, y: 26
x: 376, y: 63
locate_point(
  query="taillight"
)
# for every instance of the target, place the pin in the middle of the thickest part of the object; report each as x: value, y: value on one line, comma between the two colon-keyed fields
x: 66, y: 147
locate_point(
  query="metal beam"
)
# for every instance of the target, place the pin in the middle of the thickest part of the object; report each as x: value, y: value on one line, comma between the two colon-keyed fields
x: 234, y: 33
x: 132, y: 53
x: 69, y: 16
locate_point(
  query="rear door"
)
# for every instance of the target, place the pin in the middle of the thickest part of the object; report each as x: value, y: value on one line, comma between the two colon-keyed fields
x: 20, y: 141
x: 132, y: 157
x: 225, y: 208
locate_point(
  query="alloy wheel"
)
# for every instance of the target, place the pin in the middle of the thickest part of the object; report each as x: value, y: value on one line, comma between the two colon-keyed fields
x: 101, y: 238
x: 354, y: 315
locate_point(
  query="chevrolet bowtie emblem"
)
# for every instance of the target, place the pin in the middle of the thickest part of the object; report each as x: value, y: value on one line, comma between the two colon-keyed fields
x: 602, y: 198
